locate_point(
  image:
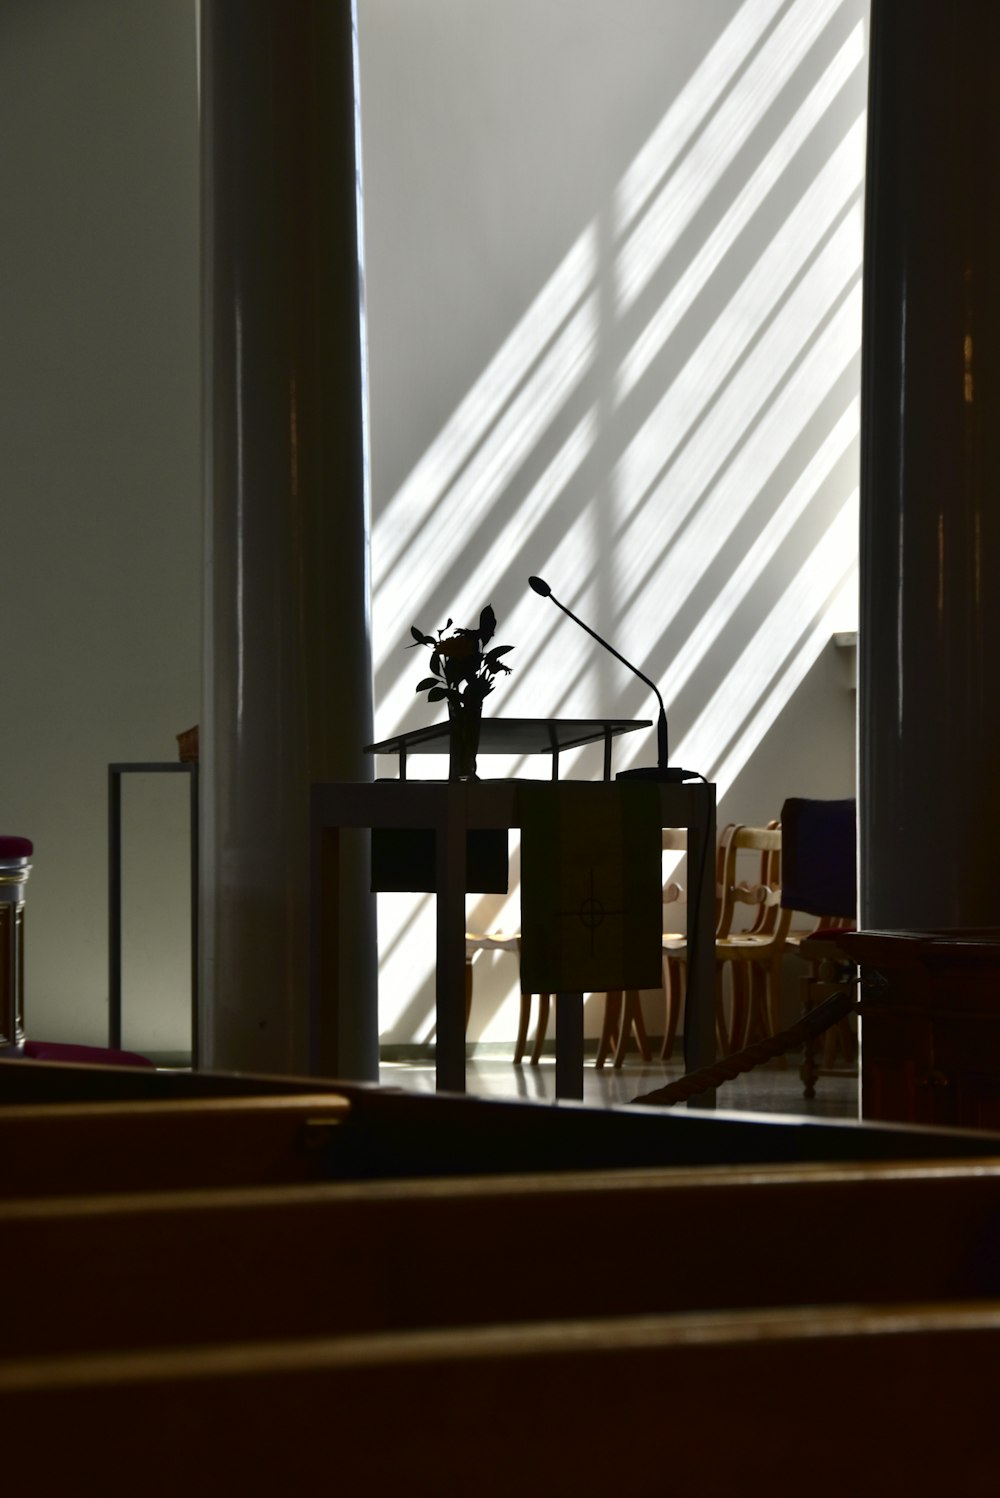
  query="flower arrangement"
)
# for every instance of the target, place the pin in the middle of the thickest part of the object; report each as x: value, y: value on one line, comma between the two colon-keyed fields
x: 463, y: 673
x: 462, y: 669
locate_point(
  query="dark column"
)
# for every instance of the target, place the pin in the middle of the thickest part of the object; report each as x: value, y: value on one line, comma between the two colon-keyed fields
x: 288, y: 657
x: 929, y: 646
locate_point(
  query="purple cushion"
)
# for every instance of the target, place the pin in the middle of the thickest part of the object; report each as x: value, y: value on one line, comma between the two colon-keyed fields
x: 15, y: 847
x: 91, y: 1055
x: 819, y: 857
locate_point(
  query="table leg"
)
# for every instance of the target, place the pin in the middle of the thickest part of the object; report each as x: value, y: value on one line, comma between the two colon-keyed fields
x: 114, y: 908
x: 699, y: 1011
x: 450, y: 852
x: 569, y: 1045
x: 195, y: 902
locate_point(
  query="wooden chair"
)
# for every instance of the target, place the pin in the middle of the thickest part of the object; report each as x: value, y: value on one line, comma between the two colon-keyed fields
x: 623, y: 1016
x: 623, y: 1012
x: 819, y: 868
x: 753, y: 953
x: 622, y: 1019
x: 616, y: 1027
x: 500, y: 941
x: 829, y: 970
x: 675, y: 942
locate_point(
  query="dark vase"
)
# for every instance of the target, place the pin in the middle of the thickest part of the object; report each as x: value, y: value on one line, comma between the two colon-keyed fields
x: 465, y: 724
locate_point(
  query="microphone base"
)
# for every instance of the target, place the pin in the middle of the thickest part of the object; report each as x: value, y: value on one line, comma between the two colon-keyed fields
x: 671, y: 775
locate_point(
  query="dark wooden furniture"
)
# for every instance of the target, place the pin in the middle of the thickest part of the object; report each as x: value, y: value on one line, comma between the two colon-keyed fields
x: 432, y: 1412
x: 450, y: 809
x: 160, y: 1144
x: 930, y: 1026
x: 454, y: 1265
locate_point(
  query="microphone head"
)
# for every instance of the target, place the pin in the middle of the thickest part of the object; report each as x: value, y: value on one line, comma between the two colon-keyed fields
x: 540, y: 586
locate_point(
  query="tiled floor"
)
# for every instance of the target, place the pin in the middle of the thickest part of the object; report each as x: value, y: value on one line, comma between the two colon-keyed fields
x: 768, y: 1089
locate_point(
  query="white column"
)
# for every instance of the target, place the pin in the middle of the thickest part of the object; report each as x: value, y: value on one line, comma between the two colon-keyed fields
x: 929, y: 646
x: 287, y: 697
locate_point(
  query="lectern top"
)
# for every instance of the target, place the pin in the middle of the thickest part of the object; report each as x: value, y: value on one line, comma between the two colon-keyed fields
x: 516, y: 736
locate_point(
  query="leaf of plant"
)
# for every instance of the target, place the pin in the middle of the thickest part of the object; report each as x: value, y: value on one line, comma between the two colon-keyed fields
x: 436, y: 664
x: 437, y: 694
x: 427, y: 683
x: 487, y: 623
x: 494, y: 655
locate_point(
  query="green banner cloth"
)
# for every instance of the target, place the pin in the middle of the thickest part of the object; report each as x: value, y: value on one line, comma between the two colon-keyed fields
x: 591, y: 897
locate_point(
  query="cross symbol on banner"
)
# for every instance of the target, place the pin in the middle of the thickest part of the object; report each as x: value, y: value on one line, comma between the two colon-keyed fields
x: 590, y: 912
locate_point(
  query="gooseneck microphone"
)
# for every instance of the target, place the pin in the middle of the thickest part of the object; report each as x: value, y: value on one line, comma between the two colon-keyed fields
x: 663, y: 770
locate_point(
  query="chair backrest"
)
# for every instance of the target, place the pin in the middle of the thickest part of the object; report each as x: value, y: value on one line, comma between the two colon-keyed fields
x: 739, y: 881
x: 761, y: 892
x: 675, y: 840
x: 723, y: 912
x: 820, y: 858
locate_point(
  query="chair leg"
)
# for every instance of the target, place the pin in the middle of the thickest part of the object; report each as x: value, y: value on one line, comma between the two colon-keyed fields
x: 543, y: 1025
x: 764, y: 980
x: 755, y: 1011
x: 522, y: 1029
x: 772, y: 978
x: 624, y: 1027
x: 609, y: 1029
x: 848, y: 1041
x: 808, y: 1071
x: 632, y: 1020
x: 732, y: 1030
x: 773, y: 985
x: 674, y: 985
x: 758, y: 996
x: 639, y: 1025
x: 721, y: 1025
x: 737, y: 1030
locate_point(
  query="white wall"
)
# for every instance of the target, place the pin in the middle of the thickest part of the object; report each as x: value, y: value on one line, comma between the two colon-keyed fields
x: 613, y: 285
x: 100, y: 529
x: 613, y: 259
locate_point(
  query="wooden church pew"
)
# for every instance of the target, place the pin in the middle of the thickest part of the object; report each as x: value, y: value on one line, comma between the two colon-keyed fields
x: 391, y: 1133
x: 73, y: 1148
x: 25, y: 1080
x: 826, y: 1401
x: 534, y: 1328
x: 161, y: 1269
